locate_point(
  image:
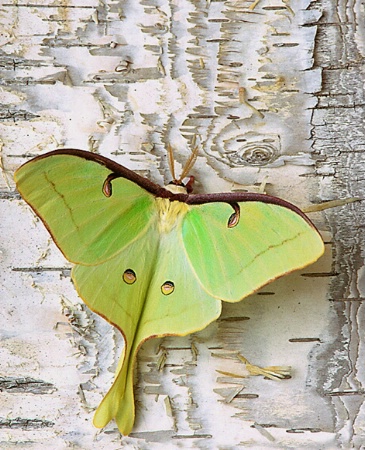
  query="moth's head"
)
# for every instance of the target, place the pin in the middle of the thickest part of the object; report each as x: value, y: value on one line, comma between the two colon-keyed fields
x: 177, y: 186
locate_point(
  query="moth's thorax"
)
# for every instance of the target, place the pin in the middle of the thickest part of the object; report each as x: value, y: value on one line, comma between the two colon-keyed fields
x: 170, y: 213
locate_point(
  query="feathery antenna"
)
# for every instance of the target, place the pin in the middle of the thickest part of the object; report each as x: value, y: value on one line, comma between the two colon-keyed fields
x: 188, y: 166
x: 170, y: 154
x: 189, y: 163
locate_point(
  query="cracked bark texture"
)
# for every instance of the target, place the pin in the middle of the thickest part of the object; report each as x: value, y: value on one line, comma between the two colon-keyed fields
x: 274, y: 92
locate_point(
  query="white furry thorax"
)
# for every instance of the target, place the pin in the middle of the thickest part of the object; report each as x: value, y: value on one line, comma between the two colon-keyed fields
x: 171, y: 212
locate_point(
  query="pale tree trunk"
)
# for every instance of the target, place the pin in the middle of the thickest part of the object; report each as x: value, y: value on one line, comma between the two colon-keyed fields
x: 274, y: 93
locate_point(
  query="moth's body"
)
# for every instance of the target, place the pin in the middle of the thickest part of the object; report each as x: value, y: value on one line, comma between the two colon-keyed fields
x: 171, y: 212
x: 157, y: 261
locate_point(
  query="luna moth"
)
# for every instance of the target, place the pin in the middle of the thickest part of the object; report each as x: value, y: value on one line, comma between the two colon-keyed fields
x: 157, y: 261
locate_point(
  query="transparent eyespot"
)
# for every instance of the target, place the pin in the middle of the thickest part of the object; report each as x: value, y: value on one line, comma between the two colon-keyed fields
x: 167, y: 288
x: 129, y: 276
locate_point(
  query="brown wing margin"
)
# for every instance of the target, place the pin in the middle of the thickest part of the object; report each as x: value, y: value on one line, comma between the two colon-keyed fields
x: 158, y: 191
x: 233, y: 197
x: 115, y: 168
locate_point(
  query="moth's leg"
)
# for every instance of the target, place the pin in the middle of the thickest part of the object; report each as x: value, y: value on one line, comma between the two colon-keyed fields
x: 330, y: 204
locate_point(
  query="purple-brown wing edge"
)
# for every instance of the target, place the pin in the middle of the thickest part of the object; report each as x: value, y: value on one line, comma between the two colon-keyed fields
x: 159, y: 191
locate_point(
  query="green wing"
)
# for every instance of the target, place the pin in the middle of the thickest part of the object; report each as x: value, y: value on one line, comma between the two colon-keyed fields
x: 269, y: 241
x: 152, y: 270
x: 141, y: 310
x: 65, y: 191
x: 124, y: 265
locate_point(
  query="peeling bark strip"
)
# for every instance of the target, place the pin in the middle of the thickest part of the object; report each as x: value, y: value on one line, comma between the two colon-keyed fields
x: 64, y: 271
x: 26, y: 384
x: 25, y: 424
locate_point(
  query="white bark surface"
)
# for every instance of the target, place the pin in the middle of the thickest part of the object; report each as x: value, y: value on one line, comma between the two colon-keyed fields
x: 274, y: 92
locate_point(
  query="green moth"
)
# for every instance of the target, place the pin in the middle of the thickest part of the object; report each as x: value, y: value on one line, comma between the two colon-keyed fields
x: 157, y: 261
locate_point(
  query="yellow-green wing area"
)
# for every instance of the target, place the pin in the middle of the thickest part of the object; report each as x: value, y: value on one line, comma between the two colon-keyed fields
x: 65, y: 191
x: 141, y: 309
x: 153, y: 267
x: 130, y: 273
x: 269, y: 241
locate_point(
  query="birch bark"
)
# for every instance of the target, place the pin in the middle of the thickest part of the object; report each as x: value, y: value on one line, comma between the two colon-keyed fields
x: 274, y: 92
